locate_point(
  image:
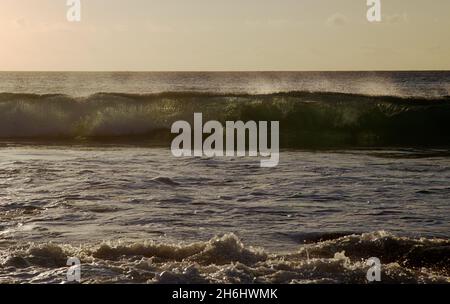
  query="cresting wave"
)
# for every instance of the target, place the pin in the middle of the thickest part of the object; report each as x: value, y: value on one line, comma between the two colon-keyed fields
x: 307, y: 119
x: 226, y: 259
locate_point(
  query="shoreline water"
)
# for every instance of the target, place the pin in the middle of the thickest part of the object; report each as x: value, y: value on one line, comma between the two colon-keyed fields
x: 137, y: 191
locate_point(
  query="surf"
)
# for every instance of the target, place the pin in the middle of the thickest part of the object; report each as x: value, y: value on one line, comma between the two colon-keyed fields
x: 226, y: 259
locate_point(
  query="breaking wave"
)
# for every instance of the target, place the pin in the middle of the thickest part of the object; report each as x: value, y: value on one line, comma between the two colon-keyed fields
x: 307, y: 119
x: 225, y: 259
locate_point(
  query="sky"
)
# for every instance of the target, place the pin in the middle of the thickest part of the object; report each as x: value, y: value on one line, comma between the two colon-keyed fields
x: 225, y: 35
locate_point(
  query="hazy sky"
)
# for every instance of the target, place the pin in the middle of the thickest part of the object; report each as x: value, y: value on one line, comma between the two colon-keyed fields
x: 224, y: 35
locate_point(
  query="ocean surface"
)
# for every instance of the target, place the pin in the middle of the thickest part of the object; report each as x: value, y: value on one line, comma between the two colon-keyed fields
x: 86, y: 171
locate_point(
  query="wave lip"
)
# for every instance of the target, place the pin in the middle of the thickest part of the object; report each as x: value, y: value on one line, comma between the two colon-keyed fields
x: 225, y: 259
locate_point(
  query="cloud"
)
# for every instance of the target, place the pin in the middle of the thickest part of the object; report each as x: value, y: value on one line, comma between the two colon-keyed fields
x: 397, y: 18
x: 158, y: 28
x: 20, y: 23
x: 270, y: 23
x: 437, y: 48
x: 378, y: 50
x: 337, y: 19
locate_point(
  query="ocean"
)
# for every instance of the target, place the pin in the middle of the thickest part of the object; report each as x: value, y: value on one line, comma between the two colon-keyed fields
x: 86, y: 171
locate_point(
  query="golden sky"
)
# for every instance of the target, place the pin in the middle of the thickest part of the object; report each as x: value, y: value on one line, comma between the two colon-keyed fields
x: 173, y: 35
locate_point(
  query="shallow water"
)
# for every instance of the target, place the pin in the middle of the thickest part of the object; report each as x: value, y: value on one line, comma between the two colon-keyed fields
x: 83, y: 196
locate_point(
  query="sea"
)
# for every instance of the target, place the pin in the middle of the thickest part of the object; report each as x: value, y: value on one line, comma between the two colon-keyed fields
x: 86, y: 171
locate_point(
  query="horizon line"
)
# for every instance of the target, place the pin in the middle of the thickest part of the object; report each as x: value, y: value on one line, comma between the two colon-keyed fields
x: 219, y: 71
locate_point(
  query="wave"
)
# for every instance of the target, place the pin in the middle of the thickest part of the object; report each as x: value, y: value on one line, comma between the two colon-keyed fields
x: 225, y: 259
x: 307, y: 119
